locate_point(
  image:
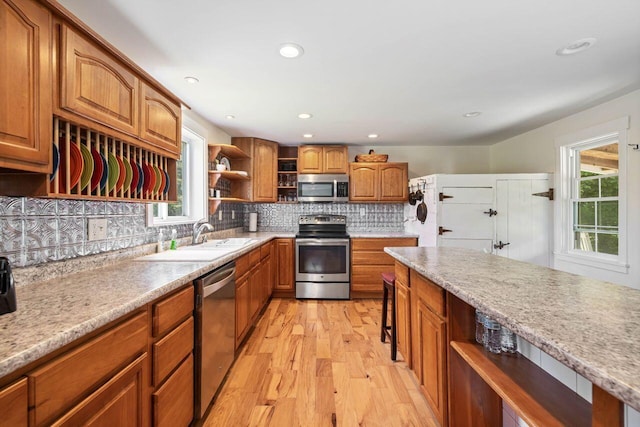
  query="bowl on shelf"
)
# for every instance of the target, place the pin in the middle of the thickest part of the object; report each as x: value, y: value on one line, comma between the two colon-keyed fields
x: 220, y: 167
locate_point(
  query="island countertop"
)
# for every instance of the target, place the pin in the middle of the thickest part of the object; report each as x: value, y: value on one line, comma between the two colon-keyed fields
x: 591, y: 326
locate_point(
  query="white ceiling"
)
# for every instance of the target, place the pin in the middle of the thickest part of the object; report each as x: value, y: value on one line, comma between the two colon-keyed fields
x: 405, y: 69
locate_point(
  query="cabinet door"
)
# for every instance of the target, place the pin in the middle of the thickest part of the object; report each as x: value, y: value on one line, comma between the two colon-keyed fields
x: 120, y: 402
x: 310, y: 159
x: 255, y: 291
x: 265, y: 171
x: 403, y: 320
x: 335, y: 159
x: 161, y: 120
x: 286, y: 265
x: 95, y: 85
x: 394, y: 178
x: 14, y: 404
x: 25, y: 86
x: 266, y: 277
x: 242, y: 307
x: 363, y: 182
x: 432, y: 359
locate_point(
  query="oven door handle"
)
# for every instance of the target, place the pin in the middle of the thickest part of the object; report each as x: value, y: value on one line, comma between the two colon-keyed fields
x: 322, y: 242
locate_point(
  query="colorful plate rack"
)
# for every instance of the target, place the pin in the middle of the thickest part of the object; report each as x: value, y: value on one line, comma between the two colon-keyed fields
x: 120, y: 158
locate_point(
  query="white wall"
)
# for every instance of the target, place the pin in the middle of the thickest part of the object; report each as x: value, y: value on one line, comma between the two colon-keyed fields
x: 204, y: 128
x: 429, y: 159
x: 535, y: 151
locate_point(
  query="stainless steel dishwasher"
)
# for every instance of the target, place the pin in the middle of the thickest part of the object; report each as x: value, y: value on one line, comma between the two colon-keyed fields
x: 215, y: 333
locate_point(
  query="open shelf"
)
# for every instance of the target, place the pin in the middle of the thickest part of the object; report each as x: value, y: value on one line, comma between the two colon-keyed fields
x: 231, y: 175
x: 228, y: 199
x: 537, y: 397
x: 227, y: 150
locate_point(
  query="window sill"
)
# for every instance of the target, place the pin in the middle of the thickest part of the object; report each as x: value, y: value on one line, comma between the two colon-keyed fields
x: 593, y: 261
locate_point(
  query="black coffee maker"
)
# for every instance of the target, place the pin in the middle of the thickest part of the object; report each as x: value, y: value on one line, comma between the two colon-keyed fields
x: 7, y: 288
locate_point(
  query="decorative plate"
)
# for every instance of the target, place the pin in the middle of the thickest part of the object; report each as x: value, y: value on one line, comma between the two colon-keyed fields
x: 122, y: 174
x: 163, y: 182
x: 87, y: 170
x: 105, y: 173
x: 140, y: 177
x: 75, y: 167
x: 114, y: 172
x: 56, y: 160
x: 135, y: 176
x: 98, y: 169
x: 156, y: 172
x: 166, y: 187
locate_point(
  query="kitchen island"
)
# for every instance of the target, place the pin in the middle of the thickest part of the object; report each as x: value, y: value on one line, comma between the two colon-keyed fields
x: 591, y: 326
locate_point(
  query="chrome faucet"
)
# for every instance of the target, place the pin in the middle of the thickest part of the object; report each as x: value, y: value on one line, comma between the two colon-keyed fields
x: 198, y: 228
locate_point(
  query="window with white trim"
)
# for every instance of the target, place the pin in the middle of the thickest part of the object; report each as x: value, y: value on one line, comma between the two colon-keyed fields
x: 592, y: 226
x: 190, y: 178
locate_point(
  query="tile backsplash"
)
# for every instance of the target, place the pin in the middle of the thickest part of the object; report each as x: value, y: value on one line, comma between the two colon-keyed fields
x: 36, y: 231
x: 361, y: 217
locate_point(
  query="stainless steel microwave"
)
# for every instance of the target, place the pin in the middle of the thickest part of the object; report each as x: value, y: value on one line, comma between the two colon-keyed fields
x: 323, y: 188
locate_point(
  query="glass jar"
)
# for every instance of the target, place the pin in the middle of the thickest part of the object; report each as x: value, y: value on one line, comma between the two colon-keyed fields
x: 508, y: 342
x: 494, y: 335
x: 481, y: 333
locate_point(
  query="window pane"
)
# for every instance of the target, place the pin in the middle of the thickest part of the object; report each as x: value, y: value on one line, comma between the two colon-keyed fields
x: 589, y: 188
x: 585, y: 241
x: 608, y: 215
x: 609, y: 186
x: 600, y: 160
x: 608, y: 243
x: 584, y: 214
x: 177, y: 209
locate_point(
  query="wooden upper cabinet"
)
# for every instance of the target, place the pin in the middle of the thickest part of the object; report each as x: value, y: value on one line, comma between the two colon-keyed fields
x: 160, y: 120
x: 378, y: 182
x: 97, y: 86
x: 25, y: 86
x: 393, y: 181
x: 310, y: 159
x: 265, y: 171
x: 335, y: 159
x: 322, y: 159
x: 363, y: 182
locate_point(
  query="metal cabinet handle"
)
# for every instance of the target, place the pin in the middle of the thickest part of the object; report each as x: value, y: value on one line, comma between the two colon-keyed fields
x: 500, y: 245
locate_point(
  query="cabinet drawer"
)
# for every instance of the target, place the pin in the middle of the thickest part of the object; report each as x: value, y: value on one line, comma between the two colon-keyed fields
x: 242, y: 265
x: 254, y: 258
x: 265, y: 250
x: 118, y: 402
x: 380, y: 244
x: 168, y: 312
x: 368, y: 278
x: 68, y: 377
x: 371, y: 258
x: 173, y: 402
x: 430, y: 293
x: 402, y: 274
x: 14, y: 404
x: 171, y: 349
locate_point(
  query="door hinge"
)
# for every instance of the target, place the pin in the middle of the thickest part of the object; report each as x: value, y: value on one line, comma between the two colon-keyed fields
x: 500, y: 245
x: 443, y: 196
x: 548, y: 194
x: 442, y: 230
x: 490, y: 212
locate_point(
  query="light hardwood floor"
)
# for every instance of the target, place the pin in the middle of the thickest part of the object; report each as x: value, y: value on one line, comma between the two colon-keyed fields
x: 319, y: 363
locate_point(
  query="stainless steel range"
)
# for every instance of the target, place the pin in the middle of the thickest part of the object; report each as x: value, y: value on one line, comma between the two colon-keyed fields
x: 322, y: 257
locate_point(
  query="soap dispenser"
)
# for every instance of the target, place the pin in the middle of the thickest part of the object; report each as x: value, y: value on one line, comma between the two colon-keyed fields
x: 7, y: 288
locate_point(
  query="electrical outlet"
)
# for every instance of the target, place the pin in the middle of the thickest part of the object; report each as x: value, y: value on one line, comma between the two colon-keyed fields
x: 97, y: 229
x: 220, y: 215
x: 233, y: 214
x: 362, y: 212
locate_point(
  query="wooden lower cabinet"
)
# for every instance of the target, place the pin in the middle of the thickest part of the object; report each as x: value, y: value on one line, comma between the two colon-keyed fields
x: 14, y: 403
x: 403, y: 320
x: 119, y: 402
x: 285, y: 267
x: 242, y: 307
x: 369, y: 261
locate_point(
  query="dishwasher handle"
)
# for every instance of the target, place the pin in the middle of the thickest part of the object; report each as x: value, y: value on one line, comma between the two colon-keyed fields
x: 215, y: 282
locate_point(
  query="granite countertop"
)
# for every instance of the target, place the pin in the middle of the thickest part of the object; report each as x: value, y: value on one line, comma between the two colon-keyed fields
x: 591, y: 326
x: 52, y: 313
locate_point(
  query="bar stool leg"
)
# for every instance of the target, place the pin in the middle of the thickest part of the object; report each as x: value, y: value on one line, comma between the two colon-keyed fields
x: 383, y: 328
x: 394, y: 338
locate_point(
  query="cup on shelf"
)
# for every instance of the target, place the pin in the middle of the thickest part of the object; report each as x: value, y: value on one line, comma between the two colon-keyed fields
x: 221, y: 167
x: 494, y: 335
x: 508, y: 342
x: 481, y: 332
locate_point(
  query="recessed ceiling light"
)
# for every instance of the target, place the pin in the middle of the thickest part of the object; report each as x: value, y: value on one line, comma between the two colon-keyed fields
x: 307, y: 135
x: 191, y: 79
x: 304, y: 116
x: 576, y: 46
x: 291, y: 50
x: 230, y: 117
x: 373, y: 135
x: 472, y: 114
